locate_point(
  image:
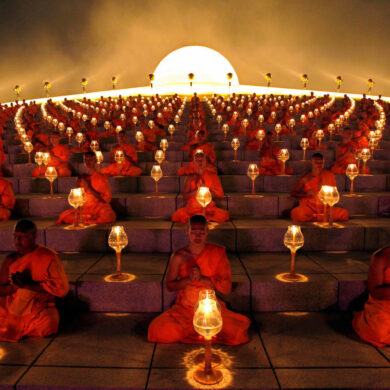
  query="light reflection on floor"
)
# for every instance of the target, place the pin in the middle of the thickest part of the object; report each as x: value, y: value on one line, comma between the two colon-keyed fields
x: 224, y: 367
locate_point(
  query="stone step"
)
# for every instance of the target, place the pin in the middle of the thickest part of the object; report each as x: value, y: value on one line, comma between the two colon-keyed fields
x: 240, y: 234
x: 174, y: 184
x: 163, y: 206
x: 334, y: 281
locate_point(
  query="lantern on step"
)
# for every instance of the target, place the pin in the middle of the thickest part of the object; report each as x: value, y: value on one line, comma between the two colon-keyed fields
x: 159, y: 156
x: 304, y: 146
x: 119, y: 159
x: 39, y: 160
x: 372, y: 144
x: 235, y: 145
x: 69, y: 132
x: 139, y: 137
x: 80, y: 139
x: 93, y: 121
x: 207, y: 322
x: 303, y: 119
x: 261, y: 119
x: 278, y: 129
x: 164, y: 144
x: 293, y: 240
x: 118, y: 240
x: 107, y: 125
x: 365, y: 155
x: 177, y: 119
x: 28, y: 147
x: 203, y: 197
x: 252, y: 173
x: 331, y: 129
x: 99, y: 158
x: 76, y: 200
x: 94, y: 145
x: 61, y: 127
x: 319, y: 135
x: 225, y: 129
x: 171, y: 130
x: 118, y: 129
x: 283, y: 156
x: 260, y: 135
x: 322, y: 198
x: 51, y: 175
x: 291, y: 124
x: 352, y: 172
x: 332, y: 197
x: 156, y: 174
x: 55, y: 123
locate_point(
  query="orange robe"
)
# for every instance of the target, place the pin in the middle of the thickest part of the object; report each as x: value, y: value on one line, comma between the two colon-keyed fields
x: 373, y: 323
x: 31, y: 313
x: 340, y: 166
x: 312, y: 209
x: 94, y: 210
x: 7, y: 199
x: 212, y: 212
x: 270, y: 165
x: 59, y: 155
x: 175, y: 324
x: 210, y: 155
x: 127, y: 168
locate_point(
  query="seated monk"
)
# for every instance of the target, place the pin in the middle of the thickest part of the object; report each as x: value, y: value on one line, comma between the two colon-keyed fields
x: 201, y: 178
x: 208, y: 151
x: 310, y: 208
x: 373, y: 323
x: 7, y: 199
x: 59, y: 158
x: 30, y: 280
x: 128, y: 166
x: 345, y: 154
x: 196, y: 267
x: 97, y: 208
x: 270, y: 165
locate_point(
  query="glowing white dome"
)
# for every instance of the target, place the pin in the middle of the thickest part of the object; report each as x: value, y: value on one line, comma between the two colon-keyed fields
x: 207, y: 65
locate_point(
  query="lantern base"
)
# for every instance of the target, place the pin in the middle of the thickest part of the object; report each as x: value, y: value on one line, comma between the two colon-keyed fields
x: 51, y: 197
x: 122, y: 277
x: 353, y: 195
x: 253, y: 196
x: 199, y: 360
x: 327, y: 225
x: 287, y: 277
x: 211, y: 377
x: 79, y: 227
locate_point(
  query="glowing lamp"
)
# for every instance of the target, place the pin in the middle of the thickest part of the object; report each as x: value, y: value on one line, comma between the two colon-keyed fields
x: 219, y: 119
x: 139, y: 137
x: 273, y: 115
x: 49, y: 118
x: 207, y: 322
x: 55, y: 123
x: 28, y: 147
x: 156, y: 174
x: 319, y: 134
x: 119, y: 158
x: 331, y: 129
x: 260, y: 135
x: 93, y: 121
x: 159, y: 156
x: 118, y: 240
x: 107, y: 125
x: 164, y: 144
x: 118, y: 129
x: 171, y: 130
x: 365, y: 155
x: 278, y: 129
x: 352, y: 173
x: 69, y: 132
x: 51, y: 175
x: 283, y: 156
x: 332, y: 197
x: 235, y: 145
x: 39, y: 160
x: 304, y: 146
x: 134, y: 120
x: 94, y: 145
x: 46, y: 158
x: 291, y: 124
x: 84, y: 117
x: 80, y: 139
x: 293, y: 240
x: 24, y: 138
x: 76, y: 199
x: 252, y: 173
x: 303, y: 119
x: 61, y: 127
x: 203, y: 197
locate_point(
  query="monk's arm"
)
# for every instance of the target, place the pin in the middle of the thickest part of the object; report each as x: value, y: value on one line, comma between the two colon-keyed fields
x: 5, y: 286
x: 223, y: 279
x: 172, y: 279
x: 187, y: 193
x: 376, y: 286
x: 298, y: 191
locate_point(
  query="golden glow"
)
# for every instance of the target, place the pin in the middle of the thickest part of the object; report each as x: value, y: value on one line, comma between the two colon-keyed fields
x: 206, y: 65
x: 119, y: 278
x: 287, y: 278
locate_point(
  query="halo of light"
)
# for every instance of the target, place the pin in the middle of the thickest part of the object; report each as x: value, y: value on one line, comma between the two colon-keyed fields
x: 207, y: 65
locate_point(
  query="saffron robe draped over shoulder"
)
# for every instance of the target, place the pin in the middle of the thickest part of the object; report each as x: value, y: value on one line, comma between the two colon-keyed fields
x: 175, y: 324
x: 373, y: 323
x: 311, y: 209
x: 7, y: 199
x: 126, y: 168
x: 94, y: 210
x: 27, y: 312
x: 212, y: 212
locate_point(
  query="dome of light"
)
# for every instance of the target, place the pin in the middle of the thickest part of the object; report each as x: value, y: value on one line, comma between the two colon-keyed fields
x: 207, y: 65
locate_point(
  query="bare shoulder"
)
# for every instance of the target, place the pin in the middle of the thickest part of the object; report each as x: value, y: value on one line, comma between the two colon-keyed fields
x: 180, y: 256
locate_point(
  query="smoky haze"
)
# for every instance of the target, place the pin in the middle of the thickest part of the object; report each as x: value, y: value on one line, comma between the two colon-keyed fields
x: 64, y: 41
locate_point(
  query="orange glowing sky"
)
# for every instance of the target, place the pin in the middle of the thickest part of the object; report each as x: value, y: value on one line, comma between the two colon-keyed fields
x: 63, y: 41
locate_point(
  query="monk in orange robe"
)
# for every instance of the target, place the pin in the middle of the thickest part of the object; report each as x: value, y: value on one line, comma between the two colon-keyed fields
x: 201, y: 178
x: 196, y: 267
x: 345, y: 154
x: 30, y: 280
x: 373, y: 323
x: 270, y: 165
x: 7, y: 199
x: 59, y: 158
x: 208, y: 151
x: 310, y: 208
x: 129, y: 166
x: 97, y: 208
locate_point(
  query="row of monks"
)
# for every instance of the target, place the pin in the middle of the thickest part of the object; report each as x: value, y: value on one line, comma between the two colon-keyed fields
x: 33, y: 276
